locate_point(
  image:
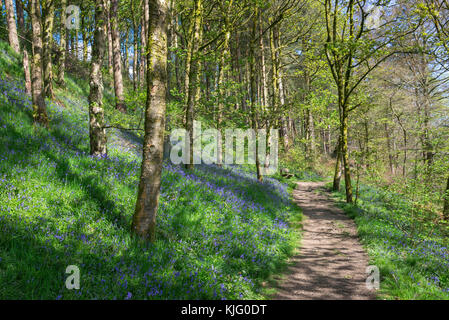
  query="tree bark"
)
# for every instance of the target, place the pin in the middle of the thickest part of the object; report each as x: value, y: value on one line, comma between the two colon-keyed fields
x: 26, y: 59
x: 12, y: 28
x: 62, y: 45
x: 39, y: 108
x: 345, y: 156
x: 144, y: 219
x: 110, y: 53
x: 97, y: 132
x: 194, y: 78
x: 118, y: 78
x: 48, y: 10
x: 337, y: 174
x: 144, y: 36
x: 446, y: 202
x: 253, y: 94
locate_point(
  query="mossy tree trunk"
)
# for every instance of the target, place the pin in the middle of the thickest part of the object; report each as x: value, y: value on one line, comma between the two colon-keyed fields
x: 446, y: 202
x: 224, y: 60
x: 345, y: 154
x: 253, y: 92
x: 12, y: 28
x: 144, y: 219
x: 39, y: 108
x: 97, y: 133
x: 26, y: 57
x: 117, y: 61
x: 193, y: 83
x: 337, y: 174
x: 48, y: 10
x: 62, y: 45
x: 144, y: 37
x: 109, y: 31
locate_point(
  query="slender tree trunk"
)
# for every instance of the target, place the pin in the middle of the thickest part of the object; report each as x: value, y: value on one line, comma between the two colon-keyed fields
x: 48, y: 10
x: 110, y: 52
x: 39, y: 108
x: 126, y: 55
x: 75, y: 44
x: 144, y: 219
x: 253, y: 86
x: 135, y: 45
x: 390, y: 154
x: 446, y: 202
x: 12, y: 28
x: 177, y: 60
x: 337, y: 174
x: 263, y: 64
x: 345, y: 156
x: 26, y: 59
x: 224, y: 59
x: 118, y: 78
x: 194, y: 76
x: 145, y: 26
x: 84, y: 32
x: 62, y: 45
x: 97, y: 132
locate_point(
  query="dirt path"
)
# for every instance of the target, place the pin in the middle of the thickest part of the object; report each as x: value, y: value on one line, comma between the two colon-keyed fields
x: 332, y: 262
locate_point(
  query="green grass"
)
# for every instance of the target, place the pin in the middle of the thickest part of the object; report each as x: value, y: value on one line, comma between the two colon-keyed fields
x: 410, y: 251
x: 221, y: 233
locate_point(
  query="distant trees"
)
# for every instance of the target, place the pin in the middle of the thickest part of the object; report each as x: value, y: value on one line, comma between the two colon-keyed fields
x: 367, y: 100
x: 353, y: 50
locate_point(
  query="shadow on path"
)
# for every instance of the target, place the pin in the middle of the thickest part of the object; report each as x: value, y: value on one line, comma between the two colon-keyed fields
x: 332, y: 263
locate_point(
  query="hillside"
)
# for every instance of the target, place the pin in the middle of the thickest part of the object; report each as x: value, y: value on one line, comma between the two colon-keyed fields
x: 221, y: 233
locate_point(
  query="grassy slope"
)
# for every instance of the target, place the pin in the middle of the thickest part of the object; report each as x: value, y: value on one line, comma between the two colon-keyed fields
x: 412, y: 255
x: 221, y: 233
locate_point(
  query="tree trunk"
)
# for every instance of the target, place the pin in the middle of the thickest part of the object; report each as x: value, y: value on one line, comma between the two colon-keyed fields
x: 144, y: 219
x: 26, y: 59
x: 337, y: 175
x: 62, y: 45
x: 194, y: 79
x: 97, y: 133
x: 12, y: 28
x: 39, y: 109
x: 253, y: 86
x: 110, y: 52
x: 48, y: 10
x: 135, y: 46
x: 345, y: 156
x: 145, y: 26
x: 389, y: 148
x: 446, y: 202
x: 118, y: 78
x: 126, y: 55
x: 224, y: 59
x: 85, y: 36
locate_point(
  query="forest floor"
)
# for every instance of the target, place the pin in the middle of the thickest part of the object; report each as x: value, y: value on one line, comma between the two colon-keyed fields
x: 332, y: 262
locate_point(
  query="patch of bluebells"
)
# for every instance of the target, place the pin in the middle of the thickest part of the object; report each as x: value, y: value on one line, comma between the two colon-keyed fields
x: 62, y: 206
x: 388, y: 217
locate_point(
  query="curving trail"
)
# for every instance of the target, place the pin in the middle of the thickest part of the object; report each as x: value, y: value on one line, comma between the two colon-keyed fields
x: 332, y: 263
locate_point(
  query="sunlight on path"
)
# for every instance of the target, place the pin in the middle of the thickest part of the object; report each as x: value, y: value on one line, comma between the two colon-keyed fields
x: 332, y: 262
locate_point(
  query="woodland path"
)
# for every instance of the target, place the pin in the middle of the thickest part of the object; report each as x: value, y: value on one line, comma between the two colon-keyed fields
x: 332, y: 263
